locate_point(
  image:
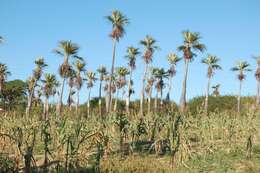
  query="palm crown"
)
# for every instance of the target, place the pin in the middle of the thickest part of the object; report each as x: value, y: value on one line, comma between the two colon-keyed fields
x: 91, y: 78
x: 212, y: 62
x: 172, y: 59
x: 150, y: 47
x: 49, y: 84
x: 191, y: 44
x: 118, y: 21
x: 131, y: 56
x: 67, y: 49
x: 241, y: 67
x: 257, y: 73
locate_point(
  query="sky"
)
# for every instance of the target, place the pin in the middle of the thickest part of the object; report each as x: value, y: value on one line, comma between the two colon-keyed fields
x: 229, y: 28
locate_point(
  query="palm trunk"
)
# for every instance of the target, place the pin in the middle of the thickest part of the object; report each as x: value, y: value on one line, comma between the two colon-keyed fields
x: 69, y: 99
x: 239, y: 97
x: 184, y: 87
x: 29, y: 103
x: 115, y: 105
x: 77, y: 105
x: 89, y: 101
x: 59, y: 107
x: 161, y: 99
x: 155, y: 101
x: 142, y: 90
x: 257, y: 92
x: 46, y: 109
x: 149, y: 101
x: 207, y: 96
x: 129, y: 92
x: 108, y: 106
x: 170, y: 88
x: 100, y: 99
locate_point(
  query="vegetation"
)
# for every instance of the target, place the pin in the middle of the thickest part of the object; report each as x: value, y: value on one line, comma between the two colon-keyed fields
x: 114, y: 133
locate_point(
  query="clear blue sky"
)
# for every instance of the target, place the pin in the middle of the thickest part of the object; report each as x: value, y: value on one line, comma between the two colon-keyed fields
x: 230, y: 29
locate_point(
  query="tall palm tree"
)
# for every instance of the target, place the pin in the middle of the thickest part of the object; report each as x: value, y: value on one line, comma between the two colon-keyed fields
x: 173, y: 59
x: 191, y: 44
x: 257, y: 75
x: 91, y: 78
x: 66, y: 49
x: 150, y: 47
x: 80, y: 67
x: 120, y: 82
x: 50, y: 84
x: 132, y: 52
x: 37, y: 74
x: 160, y: 74
x: 216, y: 90
x: 102, y: 75
x: 3, y: 76
x: 241, y: 67
x: 118, y: 21
x: 212, y: 62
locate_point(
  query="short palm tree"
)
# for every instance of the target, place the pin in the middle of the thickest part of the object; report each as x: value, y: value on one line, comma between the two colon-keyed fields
x: 149, y: 91
x: 3, y: 76
x: 132, y: 53
x: 50, y: 84
x: 149, y: 48
x: 257, y: 76
x: 80, y: 68
x: 121, y: 73
x: 160, y: 74
x: 216, y: 90
x: 37, y: 73
x: 173, y: 59
x: 91, y: 78
x: 102, y: 75
x: 66, y: 49
x: 191, y: 44
x: 212, y: 62
x: 241, y: 67
x: 118, y: 21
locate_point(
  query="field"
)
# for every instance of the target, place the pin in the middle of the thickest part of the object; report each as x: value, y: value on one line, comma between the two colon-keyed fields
x: 158, y: 142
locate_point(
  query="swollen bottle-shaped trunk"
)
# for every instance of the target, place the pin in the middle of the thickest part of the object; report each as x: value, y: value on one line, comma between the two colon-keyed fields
x: 184, y: 87
x: 108, y: 106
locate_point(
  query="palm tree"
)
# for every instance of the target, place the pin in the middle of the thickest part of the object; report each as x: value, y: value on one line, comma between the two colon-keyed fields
x: 131, y: 58
x: 212, y: 62
x: 160, y: 74
x: 102, y: 75
x: 241, y: 67
x: 50, y: 84
x: 190, y: 45
x: 91, y: 78
x: 173, y: 59
x: 3, y: 76
x: 80, y: 67
x: 118, y: 21
x: 257, y: 75
x: 66, y: 49
x: 150, y: 47
x: 216, y: 90
x: 37, y: 73
x: 120, y: 82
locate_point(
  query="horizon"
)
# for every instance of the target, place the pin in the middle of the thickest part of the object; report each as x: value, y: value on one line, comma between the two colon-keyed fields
x: 231, y: 35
